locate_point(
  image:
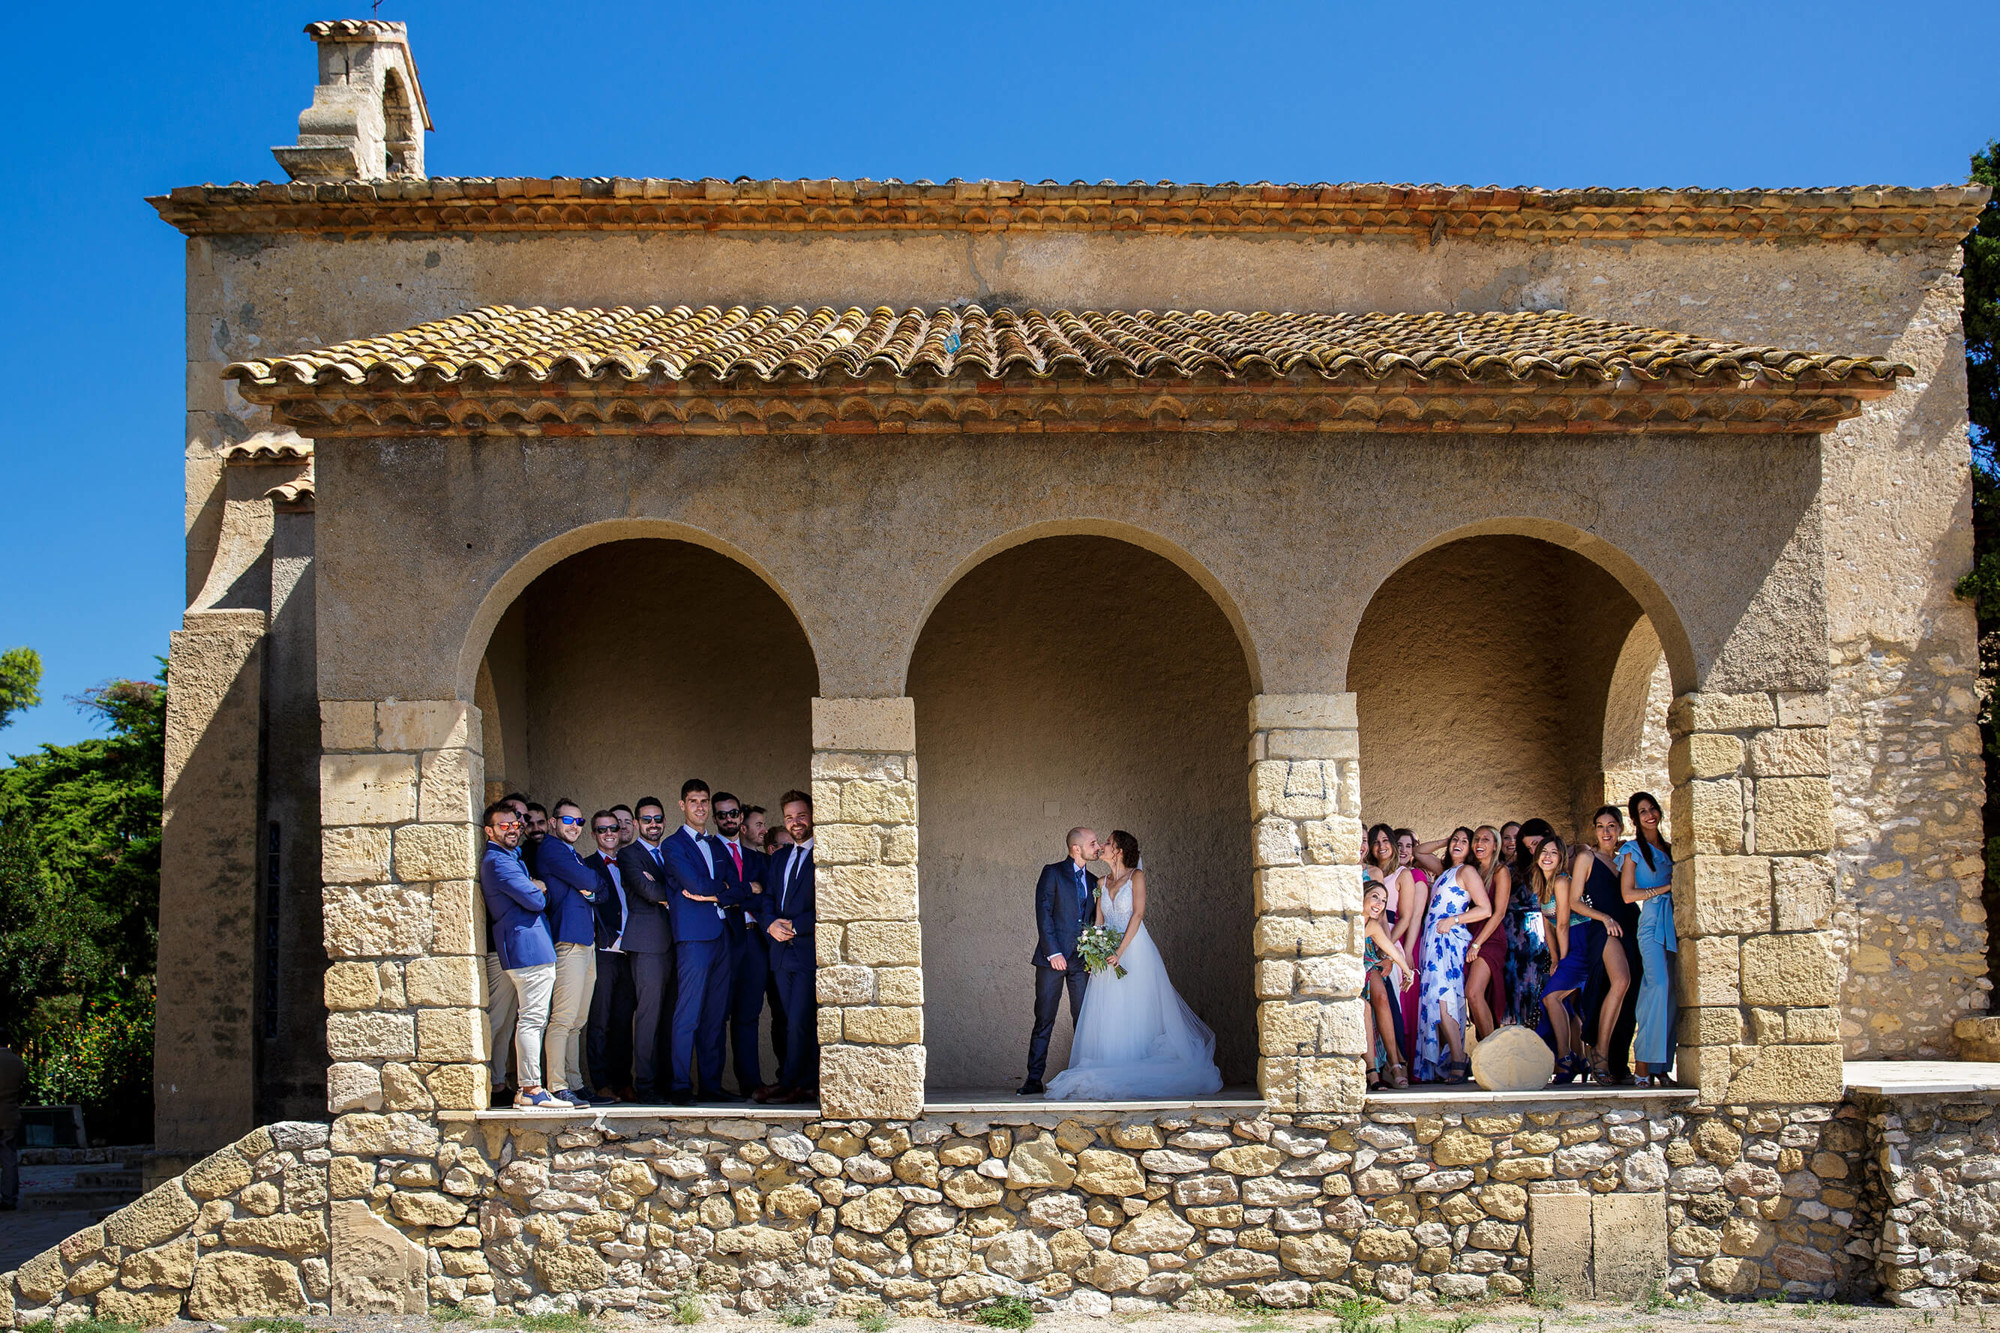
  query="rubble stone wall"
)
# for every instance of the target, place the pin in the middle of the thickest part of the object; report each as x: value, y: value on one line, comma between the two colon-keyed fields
x: 1934, y: 1169
x: 1094, y: 1212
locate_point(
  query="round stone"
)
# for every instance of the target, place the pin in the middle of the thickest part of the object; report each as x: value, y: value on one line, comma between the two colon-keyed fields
x: 1513, y: 1059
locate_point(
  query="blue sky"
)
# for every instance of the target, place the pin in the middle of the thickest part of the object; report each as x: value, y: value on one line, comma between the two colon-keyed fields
x: 117, y: 101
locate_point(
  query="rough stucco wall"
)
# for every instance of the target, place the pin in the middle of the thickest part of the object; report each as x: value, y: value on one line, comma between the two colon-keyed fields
x: 1480, y: 673
x: 1909, y: 780
x: 650, y: 662
x: 1077, y: 681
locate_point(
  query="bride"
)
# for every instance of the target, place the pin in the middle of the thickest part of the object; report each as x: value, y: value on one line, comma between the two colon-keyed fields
x: 1137, y: 1040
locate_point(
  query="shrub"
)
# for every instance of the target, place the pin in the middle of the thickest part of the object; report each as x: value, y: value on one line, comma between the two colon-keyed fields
x: 1006, y: 1312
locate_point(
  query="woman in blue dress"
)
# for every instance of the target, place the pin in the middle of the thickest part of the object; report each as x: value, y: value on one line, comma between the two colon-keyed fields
x: 1646, y: 877
x: 1458, y: 900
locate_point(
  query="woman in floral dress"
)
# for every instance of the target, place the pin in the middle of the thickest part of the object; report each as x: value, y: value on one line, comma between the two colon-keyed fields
x: 1458, y: 900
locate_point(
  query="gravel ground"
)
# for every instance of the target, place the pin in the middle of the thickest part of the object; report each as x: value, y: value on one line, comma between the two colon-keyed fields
x: 1698, y: 1315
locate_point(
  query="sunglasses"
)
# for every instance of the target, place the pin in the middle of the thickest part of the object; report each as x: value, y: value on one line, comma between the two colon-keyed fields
x: 570, y: 819
x: 727, y: 814
x: 604, y: 828
x: 652, y: 819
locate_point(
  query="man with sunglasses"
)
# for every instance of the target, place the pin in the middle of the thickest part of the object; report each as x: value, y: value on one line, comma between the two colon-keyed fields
x: 700, y: 900
x: 649, y: 941
x: 608, y: 1036
x: 749, y: 959
x: 572, y: 895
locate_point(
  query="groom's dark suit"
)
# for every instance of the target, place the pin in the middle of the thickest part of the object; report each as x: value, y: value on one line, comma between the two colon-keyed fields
x: 1065, y: 902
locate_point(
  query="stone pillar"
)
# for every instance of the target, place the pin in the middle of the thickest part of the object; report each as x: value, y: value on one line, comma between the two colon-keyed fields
x: 871, y: 977
x: 1305, y: 796
x: 1753, y: 897
x: 405, y: 984
x: 204, y: 1045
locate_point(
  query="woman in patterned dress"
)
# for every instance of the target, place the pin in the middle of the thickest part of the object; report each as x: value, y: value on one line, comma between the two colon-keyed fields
x: 1458, y: 900
x: 1529, y: 960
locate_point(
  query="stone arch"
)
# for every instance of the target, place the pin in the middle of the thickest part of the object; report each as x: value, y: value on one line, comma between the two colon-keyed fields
x: 398, y: 125
x: 1025, y: 727
x: 1489, y: 668
x: 1631, y: 575
x: 1146, y: 540
x: 509, y: 586
x: 1635, y: 720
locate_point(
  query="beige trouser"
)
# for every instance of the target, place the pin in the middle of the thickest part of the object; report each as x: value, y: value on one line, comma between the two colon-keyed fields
x: 500, y: 1007
x: 569, y: 1013
x: 533, y: 988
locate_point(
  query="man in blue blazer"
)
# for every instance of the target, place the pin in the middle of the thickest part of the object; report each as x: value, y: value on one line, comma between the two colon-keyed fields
x: 749, y: 954
x: 786, y: 909
x: 571, y: 887
x: 649, y: 939
x: 1065, y: 902
x: 521, y: 938
x: 698, y: 899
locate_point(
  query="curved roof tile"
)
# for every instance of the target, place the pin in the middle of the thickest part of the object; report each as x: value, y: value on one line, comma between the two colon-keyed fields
x: 509, y: 344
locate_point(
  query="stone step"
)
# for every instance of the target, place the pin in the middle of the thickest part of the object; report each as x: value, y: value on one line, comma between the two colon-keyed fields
x: 1978, y: 1038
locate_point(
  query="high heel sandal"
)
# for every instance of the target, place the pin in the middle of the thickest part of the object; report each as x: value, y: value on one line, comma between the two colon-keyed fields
x: 1600, y: 1072
x: 1455, y: 1071
x: 1399, y: 1075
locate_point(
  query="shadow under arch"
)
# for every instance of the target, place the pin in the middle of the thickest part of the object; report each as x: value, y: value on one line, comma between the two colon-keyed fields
x: 1145, y: 540
x: 510, y: 585
x: 1629, y: 573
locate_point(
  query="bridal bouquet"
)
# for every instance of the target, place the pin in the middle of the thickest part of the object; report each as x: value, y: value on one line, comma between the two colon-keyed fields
x: 1096, y: 944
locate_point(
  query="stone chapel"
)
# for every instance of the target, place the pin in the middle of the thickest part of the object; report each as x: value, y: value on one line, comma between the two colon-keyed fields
x: 1235, y: 515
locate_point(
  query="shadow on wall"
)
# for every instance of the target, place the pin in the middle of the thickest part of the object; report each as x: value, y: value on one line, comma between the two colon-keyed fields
x: 1078, y: 680
x: 631, y: 666
x: 1482, y: 672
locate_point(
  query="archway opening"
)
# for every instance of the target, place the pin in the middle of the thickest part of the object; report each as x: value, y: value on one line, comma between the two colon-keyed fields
x: 630, y: 666
x: 1505, y: 677
x: 1078, y: 680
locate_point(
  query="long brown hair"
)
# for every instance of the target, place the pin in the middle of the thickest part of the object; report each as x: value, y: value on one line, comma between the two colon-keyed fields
x: 1449, y: 864
x: 1545, y: 883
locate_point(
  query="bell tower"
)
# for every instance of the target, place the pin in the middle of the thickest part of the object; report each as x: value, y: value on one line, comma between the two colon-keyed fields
x: 367, y: 119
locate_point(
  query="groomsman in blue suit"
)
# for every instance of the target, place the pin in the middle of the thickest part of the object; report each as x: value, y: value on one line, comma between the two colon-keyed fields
x: 521, y: 937
x: 749, y: 956
x: 649, y: 939
x: 1065, y: 902
x: 698, y: 898
x: 787, y: 910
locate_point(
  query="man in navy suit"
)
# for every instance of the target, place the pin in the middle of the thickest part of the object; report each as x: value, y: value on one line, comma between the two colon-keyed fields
x: 608, y: 1030
x: 649, y: 939
x: 571, y: 887
x: 699, y: 899
x: 1065, y: 902
x: 749, y: 956
x: 787, y: 908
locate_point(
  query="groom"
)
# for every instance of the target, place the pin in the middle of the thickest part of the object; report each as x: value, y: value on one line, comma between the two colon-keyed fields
x: 1065, y: 902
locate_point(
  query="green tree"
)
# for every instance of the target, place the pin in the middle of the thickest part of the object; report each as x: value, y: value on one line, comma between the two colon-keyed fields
x: 1982, y: 585
x: 79, y: 905
x: 20, y: 682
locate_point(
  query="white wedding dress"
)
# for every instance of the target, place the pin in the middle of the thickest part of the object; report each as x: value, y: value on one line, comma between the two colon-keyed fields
x: 1137, y: 1040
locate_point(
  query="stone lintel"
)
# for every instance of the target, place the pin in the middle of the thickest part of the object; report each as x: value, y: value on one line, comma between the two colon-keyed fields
x: 865, y: 726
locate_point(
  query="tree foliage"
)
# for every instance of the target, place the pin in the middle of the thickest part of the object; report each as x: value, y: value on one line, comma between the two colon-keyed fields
x: 1982, y: 373
x: 20, y: 682
x: 79, y: 904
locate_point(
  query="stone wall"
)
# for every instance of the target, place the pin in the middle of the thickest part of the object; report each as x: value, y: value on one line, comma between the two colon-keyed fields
x: 1093, y: 1212
x: 1934, y: 1168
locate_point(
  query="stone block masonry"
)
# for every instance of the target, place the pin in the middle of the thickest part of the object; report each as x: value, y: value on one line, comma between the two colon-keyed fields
x: 1305, y: 799
x: 870, y: 980
x: 1753, y: 897
x: 399, y: 800
x: 1092, y: 1212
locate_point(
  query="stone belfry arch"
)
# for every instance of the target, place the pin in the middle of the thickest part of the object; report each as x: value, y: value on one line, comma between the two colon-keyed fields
x: 368, y: 116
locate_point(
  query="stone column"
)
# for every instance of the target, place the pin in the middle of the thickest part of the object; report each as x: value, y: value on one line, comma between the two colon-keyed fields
x: 1305, y: 796
x: 204, y: 1047
x: 1753, y: 897
x: 405, y: 987
x: 871, y: 978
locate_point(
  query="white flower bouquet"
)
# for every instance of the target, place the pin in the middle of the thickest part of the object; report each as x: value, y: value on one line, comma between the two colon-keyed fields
x: 1096, y: 945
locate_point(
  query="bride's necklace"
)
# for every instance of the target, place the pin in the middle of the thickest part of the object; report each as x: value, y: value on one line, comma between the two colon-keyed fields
x: 1118, y: 884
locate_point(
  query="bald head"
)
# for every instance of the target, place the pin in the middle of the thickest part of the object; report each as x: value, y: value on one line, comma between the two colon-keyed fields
x: 1083, y: 845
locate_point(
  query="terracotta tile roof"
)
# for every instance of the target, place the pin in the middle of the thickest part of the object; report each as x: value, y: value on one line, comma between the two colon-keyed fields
x: 1427, y: 212
x: 506, y: 371
x: 501, y: 344
x: 267, y: 451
